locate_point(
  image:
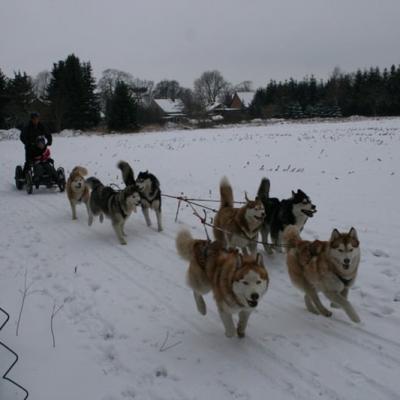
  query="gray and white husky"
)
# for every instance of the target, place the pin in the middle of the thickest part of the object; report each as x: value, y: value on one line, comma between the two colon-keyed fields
x: 281, y: 213
x: 116, y: 205
x: 149, y: 189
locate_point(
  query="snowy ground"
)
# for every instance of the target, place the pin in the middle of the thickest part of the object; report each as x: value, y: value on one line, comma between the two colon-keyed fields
x: 121, y: 302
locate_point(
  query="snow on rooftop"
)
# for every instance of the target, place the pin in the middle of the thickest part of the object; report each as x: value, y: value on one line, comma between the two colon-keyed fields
x: 214, y: 106
x: 170, y: 106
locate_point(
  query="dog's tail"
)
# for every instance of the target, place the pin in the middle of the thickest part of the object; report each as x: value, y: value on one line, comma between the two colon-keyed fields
x: 184, y: 244
x: 263, y: 190
x: 93, y: 182
x: 79, y: 170
x: 226, y: 193
x: 127, y: 173
x: 291, y: 235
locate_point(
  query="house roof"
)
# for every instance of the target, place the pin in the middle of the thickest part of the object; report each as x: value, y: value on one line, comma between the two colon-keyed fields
x: 170, y: 106
x: 215, y: 106
x: 246, y: 98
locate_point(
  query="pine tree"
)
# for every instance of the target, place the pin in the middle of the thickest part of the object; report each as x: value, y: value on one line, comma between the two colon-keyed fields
x: 72, y: 97
x: 4, y: 99
x: 121, y: 110
x: 21, y: 96
x: 91, y: 99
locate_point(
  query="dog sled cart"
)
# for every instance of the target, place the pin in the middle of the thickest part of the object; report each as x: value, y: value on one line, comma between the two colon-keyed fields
x: 39, y: 173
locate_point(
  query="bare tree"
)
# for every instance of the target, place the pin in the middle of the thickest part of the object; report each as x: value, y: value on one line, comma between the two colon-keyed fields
x: 245, y: 86
x: 191, y: 104
x: 41, y: 83
x: 167, y: 89
x: 209, y: 86
x: 108, y: 81
x: 144, y: 90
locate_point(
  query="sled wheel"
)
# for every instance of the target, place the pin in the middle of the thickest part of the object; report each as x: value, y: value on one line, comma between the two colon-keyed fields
x: 28, y: 183
x: 61, y: 179
x: 19, y: 177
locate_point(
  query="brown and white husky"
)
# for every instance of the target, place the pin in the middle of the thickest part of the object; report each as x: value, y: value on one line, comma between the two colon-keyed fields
x: 77, y: 189
x: 329, y: 267
x: 237, y: 281
x: 238, y: 227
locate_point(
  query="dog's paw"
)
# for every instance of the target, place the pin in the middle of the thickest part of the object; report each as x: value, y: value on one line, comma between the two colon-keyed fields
x: 268, y: 250
x: 327, y: 313
x: 74, y: 218
x: 90, y: 221
x: 241, y: 334
x: 123, y: 242
x: 101, y: 218
x: 355, y: 318
x: 160, y: 229
x: 230, y: 334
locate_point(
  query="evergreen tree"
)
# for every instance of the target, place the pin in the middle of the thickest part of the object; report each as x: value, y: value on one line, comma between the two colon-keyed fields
x: 21, y: 96
x: 121, y: 110
x: 4, y: 99
x: 71, y: 94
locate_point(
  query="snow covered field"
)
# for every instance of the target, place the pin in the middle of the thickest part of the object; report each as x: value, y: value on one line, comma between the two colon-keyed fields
x: 121, y: 303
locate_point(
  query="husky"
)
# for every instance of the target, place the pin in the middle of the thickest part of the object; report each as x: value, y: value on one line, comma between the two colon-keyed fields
x: 282, y: 213
x: 238, y: 227
x: 149, y: 190
x: 237, y: 281
x: 116, y: 205
x: 77, y: 190
x: 329, y: 267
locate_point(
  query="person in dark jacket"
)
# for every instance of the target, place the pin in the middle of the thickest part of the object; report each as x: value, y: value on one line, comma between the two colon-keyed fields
x: 29, y: 137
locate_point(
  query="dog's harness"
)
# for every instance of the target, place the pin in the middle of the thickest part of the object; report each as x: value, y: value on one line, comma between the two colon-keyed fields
x: 247, y: 234
x: 204, y: 252
x: 346, y: 282
x: 151, y: 198
x: 119, y: 205
x: 80, y: 198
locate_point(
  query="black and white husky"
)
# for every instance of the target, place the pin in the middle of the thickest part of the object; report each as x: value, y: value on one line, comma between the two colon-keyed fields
x: 116, y: 205
x: 281, y: 213
x: 149, y: 190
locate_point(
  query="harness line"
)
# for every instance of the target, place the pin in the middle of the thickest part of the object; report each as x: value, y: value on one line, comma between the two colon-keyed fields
x: 204, y: 222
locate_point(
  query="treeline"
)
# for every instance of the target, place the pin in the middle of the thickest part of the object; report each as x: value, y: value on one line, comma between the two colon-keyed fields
x: 65, y: 97
x: 68, y: 97
x: 369, y: 93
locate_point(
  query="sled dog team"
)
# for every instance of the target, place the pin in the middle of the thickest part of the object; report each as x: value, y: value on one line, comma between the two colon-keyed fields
x: 230, y: 266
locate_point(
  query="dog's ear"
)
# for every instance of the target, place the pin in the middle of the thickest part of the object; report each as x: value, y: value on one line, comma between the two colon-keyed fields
x: 239, y: 260
x: 353, y: 233
x: 335, y: 235
x: 259, y: 260
x: 293, y: 194
x: 246, y: 197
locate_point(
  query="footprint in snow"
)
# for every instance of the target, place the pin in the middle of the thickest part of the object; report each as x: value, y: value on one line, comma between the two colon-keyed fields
x: 379, y: 253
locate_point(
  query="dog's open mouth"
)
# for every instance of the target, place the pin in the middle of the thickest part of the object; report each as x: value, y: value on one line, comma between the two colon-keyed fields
x: 309, y: 213
x: 258, y: 218
x: 252, y: 303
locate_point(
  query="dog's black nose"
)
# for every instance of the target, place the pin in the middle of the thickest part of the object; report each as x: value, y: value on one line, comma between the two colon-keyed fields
x: 346, y: 260
x: 255, y: 296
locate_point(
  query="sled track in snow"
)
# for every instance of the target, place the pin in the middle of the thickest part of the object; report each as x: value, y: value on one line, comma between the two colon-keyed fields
x: 137, y: 267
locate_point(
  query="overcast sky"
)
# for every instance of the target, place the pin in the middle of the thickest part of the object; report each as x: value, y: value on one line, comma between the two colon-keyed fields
x: 255, y: 40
